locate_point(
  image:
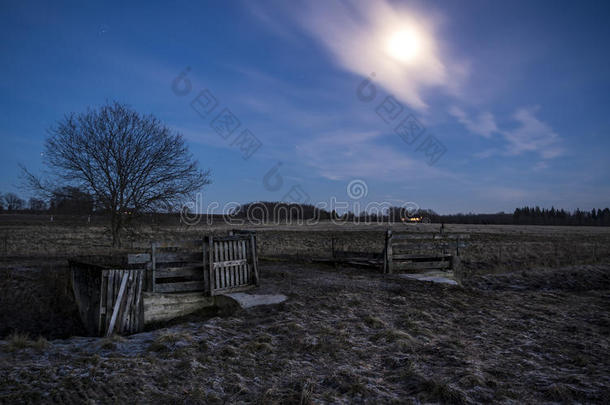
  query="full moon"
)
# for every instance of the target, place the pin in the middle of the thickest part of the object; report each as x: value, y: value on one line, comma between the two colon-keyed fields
x: 404, y: 45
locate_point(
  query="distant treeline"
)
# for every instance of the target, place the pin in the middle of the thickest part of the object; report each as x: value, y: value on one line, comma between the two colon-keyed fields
x: 72, y: 201
x: 532, y: 216
x: 65, y: 200
x: 283, y: 212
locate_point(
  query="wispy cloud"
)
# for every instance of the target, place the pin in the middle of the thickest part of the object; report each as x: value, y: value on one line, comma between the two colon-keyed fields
x: 342, y: 155
x: 484, y: 124
x: 530, y: 134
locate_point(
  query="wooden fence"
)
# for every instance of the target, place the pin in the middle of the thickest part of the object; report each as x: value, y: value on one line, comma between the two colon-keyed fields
x: 110, y: 291
x: 420, y: 252
x: 214, y: 265
x: 109, y: 300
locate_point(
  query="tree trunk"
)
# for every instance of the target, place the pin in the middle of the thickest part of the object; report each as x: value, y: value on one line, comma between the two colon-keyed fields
x: 115, y: 228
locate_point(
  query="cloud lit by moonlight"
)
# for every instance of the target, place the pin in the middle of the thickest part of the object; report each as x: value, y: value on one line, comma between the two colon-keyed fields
x: 398, y: 44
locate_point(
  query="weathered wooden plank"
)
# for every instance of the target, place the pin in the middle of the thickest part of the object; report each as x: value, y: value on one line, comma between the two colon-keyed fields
x: 231, y: 238
x: 230, y: 263
x: 195, y: 271
x: 216, y: 271
x: 163, y: 307
x: 426, y: 246
x: 413, y: 236
x: 184, y: 244
x: 388, y: 257
x: 109, y: 299
x: 404, y: 256
x: 210, y: 251
x: 254, y: 261
x: 225, y: 257
x: 205, y: 272
x: 102, y: 313
x: 176, y: 257
x: 435, y: 236
x: 117, y: 305
x: 182, y: 286
x: 234, y: 269
x: 243, y: 267
x: 230, y: 259
x: 138, y: 258
x: 234, y: 289
x: 153, y: 263
x: 421, y: 265
x: 136, y: 302
x: 125, y: 319
x: 123, y: 305
x: 242, y: 256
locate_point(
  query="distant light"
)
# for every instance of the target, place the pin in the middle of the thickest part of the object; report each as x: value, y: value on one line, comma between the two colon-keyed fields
x: 404, y: 45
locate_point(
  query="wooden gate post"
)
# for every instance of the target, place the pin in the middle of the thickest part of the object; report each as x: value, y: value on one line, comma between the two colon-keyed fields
x: 387, y: 257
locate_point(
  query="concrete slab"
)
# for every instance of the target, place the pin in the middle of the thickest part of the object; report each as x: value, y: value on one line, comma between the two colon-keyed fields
x: 253, y: 300
x: 432, y: 277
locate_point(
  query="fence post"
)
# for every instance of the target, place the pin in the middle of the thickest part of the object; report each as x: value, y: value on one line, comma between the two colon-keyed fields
x: 387, y: 257
x: 254, y: 260
x: 153, y: 263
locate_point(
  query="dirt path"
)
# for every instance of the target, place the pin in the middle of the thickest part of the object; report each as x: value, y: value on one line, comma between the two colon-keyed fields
x: 348, y: 335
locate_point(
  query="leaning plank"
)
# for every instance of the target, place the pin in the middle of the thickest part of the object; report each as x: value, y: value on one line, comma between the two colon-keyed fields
x: 127, y: 308
x: 183, y: 286
x: 117, y: 305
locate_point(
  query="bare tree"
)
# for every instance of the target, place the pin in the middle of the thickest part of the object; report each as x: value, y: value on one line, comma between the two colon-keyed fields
x: 13, y: 202
x: 130, y: 163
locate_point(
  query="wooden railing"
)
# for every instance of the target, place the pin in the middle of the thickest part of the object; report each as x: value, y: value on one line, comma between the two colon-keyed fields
x: 420, y: 252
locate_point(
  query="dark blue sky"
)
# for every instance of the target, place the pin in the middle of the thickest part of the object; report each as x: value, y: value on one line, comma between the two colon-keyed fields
x: 517, y: 94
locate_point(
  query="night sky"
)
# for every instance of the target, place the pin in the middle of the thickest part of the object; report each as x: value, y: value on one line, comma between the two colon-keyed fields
x: 477, y: 106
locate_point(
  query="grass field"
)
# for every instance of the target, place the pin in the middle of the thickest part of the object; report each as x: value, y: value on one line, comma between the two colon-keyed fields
x: 532, y: 329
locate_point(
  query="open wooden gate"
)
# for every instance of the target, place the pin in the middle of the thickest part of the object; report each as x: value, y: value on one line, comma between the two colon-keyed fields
x: 422, y: 252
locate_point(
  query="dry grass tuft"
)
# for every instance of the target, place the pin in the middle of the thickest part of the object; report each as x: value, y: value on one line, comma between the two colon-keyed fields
x: 373, y: 322
x: 19, y: 341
